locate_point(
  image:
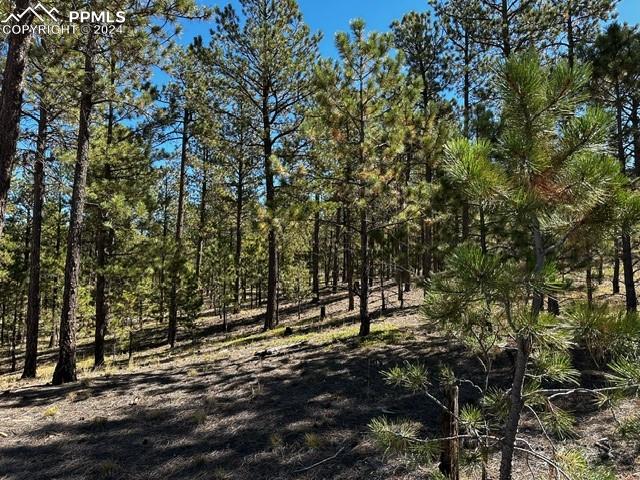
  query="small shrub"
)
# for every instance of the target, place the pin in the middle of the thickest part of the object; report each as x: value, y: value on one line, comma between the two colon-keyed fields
x: 276, y: 440
x: 52, y: 411
x: 629, y: 428
x: 106, y: 469
x: 198, y: 416
x: 314, y: 441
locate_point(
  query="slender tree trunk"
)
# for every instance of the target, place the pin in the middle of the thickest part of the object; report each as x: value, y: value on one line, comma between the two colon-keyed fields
x: 520, y: 370
x: 65, y: 370
x: 365, y: 321
x: 165, y: 232
x: 631, y: 299
x: 449, y: 457
x: 54, y: 294
x: 272, y: 266
x: 33, y: 305
x: 615, y: 280
x: 570, y: 35
x: 202, y: 212
x: 238, y: 246
x: 102, y: 306
x: 483, y: 231
x: 175, y: 279
x: 336, y: 251
x: 349, y: 257
x: 619, y: 128
x: 104, y: 237
x: 635, y: 134
x: 315, y: 254
x: 589, y: 284
x: 2, y: 321
x: 11, y: 100
x: 505, y: 33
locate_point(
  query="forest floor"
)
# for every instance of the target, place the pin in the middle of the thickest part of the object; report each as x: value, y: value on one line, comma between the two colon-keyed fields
x: 251, y: 405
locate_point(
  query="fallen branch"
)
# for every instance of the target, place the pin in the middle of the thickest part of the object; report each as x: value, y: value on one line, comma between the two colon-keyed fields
x: 328, y: 459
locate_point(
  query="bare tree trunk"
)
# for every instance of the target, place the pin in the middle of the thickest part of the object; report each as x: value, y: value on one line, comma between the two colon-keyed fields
x: 365, y: 321
x: 238, y: 246
x: 202, y: 212
x: 65, y: 370
x: 54, y: 294
x: 33, y: 305
x: 449, y: 456
x: 175, y: 279
x: 336, y: 251
x: 272, y: 274
x: 349, y: 257
x: 520, y: 370
x: 104, y: 237
x: 315, y: 254
x: 615, y: 279
x: 11, y: 100
x: 165, y: 231
x: 631, y: 299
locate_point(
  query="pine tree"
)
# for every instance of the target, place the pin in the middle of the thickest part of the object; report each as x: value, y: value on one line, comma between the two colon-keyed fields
x: 363, y: 98
x: 546, y: 144
x: 267, y: 59
x: 11, y: 99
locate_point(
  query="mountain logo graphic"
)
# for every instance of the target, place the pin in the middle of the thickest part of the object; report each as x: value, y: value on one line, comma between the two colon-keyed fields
x: 38, y: 11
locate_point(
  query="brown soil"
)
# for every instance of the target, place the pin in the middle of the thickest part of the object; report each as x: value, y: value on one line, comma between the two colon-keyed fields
x: 250, y: 405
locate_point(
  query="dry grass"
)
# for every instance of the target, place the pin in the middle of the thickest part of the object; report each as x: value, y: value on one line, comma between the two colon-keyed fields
x: 216, y: 410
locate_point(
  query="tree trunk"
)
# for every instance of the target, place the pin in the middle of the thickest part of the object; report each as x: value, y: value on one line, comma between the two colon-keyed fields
x: 449, y: 456
x: 520, y: 370
x: 102, y: 306
x: 349, y: 257
x: 272, y: 273
x: 635, y: 134
x: 202, y: 219
x: 11, y: 101
x: 238, y: 246
x: 506, y: 35
x: 33, y: 305
x: 54, y: 294
x: 570, y: 35
x: 615, y: 280
x: 365, y: 321
x: 631, y: 299
x: 336, y: 251
x: 589, y: 284
x: 315, y: 254
x: 104, y: 236
x: 65, y: 370
x: 165, y: 231
x: 175, y: 278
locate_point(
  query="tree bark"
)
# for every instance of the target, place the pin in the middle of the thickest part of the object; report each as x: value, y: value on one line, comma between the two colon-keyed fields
x: 11, y: 102
x: 349, y: 257
x: 631, y: 300
x: 449, y: 456
x: 336, y: 251
x: 33, y: 303
x: 522, y: 358
x: 365, y: 321
x: 104, y: 237
x: 65, y: 370
x: 315, y: 254
x: 175, y: 278
x: 202, y: 212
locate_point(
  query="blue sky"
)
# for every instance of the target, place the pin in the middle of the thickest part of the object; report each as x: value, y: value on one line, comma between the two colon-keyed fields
x: 331, y: 16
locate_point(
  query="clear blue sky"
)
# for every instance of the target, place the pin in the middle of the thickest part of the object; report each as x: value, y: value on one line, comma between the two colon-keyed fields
x: 331, y: 16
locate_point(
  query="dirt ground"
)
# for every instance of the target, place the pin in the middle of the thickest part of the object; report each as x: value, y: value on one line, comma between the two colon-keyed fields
x: 249, y: 405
